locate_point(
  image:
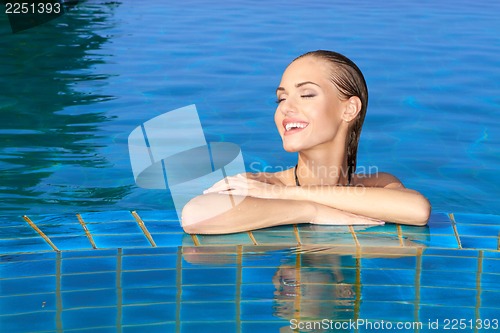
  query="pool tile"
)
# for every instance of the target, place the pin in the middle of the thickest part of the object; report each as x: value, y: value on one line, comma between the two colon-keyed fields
x: 490, y: 282
x: 171, y: 239
x: 118, y: 241
x: 114, y: 228
x: 340, y: 229
x: 257, y: 310
x: 448, y: 279
x: 478, y: 230
x: 90, y: 253
x: 378, y: 240
x: 150, y: 328
x: 431, y: 229
x: 326, y: 238
x: 279, y: 325
x: 29, y: 322
x: 207, y: 327
x: 449, y: 263
x: 205, y: 293
x: 148, y: 251
x: 89, y: 298
x: 26, y: 245
x: 258, y: 275
x: 29, y: 285
x: 397, y: 263
x: 163, y: 226
x: 146, y: 314
x: 388, y: 228
x: 88, y: 265
x: 203, y: 275
x: 403, y: 277
x: 137, y: 296
x: 479, y: 242
x: 143, y: 262
x: 208, y: 311
x: 71, y: 242
x: 437, y: 217
x: 88, y: 281
x: 450, y: 252
x: 149, y: 278
x: 436, y: 241
x: 447, y: 296
x: 276, y: 237
x: 491, y: 299
x: 158, y: 215
x: 27, y: 303
x: 393, y: 311
x: 491, y: 266
x: 70, y: 228
x: 18, y: 269
x: 258, y: 292
x: 233, y: 239
x: 88, y: 318
x: 388, y: 293
x: 491, y: 254
x: 467, y: 218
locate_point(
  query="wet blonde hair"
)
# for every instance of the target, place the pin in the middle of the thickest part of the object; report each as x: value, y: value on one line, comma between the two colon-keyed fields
x: 349, y: 81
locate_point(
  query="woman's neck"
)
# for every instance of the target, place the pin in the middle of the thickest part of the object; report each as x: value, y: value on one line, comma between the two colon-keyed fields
x: 328, y: 169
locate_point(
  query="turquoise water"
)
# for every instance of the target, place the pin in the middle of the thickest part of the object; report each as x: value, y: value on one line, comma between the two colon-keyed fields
x: 74, y: 88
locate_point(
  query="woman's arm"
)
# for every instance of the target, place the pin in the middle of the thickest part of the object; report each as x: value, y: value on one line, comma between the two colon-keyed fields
x: 202, y: 215
x: 381, y: 197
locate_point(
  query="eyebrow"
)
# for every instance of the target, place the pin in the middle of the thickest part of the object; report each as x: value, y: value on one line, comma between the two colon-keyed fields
x: 298, y: 85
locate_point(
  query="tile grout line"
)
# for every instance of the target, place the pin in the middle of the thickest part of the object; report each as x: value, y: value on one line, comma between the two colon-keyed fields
x: 239, y: 280
x: 297, y: 235
x: 40, y: 232
x: 59, y: 301
x: 353, y: 233
x: 400, y: 235
x: 418, y: 278
x: 87, y: 231
x: 454, y: 225
x: 479, y: 273
x: 178, y: 285
x: 119, y: 290
x: 195, y: 239
x: 298, y: 286
x: 252, y: 238
x: 145, y: 230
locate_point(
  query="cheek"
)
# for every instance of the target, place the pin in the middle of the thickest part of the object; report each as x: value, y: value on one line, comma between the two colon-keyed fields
x: 278, y: 119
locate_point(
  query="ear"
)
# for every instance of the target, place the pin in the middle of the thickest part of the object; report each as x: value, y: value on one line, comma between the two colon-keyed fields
x: 352, y: 108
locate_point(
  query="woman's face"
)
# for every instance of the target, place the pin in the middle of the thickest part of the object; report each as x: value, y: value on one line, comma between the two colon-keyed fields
x: 309, y: 108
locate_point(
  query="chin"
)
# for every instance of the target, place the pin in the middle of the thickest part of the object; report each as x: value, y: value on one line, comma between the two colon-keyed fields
x: 291, y: 148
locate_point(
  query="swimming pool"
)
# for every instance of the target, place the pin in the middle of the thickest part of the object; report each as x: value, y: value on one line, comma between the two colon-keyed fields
x: 74, y: 88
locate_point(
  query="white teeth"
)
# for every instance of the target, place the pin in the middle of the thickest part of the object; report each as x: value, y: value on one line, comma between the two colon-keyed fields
x: 289, y: 126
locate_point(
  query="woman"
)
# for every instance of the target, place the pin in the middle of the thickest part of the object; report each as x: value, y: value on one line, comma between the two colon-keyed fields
x: 322, y: 101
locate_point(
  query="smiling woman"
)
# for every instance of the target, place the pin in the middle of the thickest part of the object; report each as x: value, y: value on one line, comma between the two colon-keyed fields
x: 322, y: 101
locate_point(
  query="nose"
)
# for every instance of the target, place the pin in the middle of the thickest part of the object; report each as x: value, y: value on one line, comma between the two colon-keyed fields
x: 287, y: 107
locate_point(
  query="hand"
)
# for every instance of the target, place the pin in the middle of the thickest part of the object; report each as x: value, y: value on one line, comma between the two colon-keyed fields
x: 330, y: 216
x: 243, y: 185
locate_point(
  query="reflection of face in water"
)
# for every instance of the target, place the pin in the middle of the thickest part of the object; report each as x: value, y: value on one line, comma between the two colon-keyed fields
x: 313, y: 288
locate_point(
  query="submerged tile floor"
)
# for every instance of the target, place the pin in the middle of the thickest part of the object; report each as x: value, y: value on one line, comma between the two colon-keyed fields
x: 128, y: 272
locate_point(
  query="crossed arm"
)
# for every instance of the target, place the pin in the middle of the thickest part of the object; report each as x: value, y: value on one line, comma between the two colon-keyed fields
x: 264, y: 204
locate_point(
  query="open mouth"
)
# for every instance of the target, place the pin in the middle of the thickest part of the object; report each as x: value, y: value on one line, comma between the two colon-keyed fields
x: 294, y: 127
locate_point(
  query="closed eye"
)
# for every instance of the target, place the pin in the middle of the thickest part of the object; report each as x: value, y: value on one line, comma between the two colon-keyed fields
x: 279, y: 100
x: 308, y: 96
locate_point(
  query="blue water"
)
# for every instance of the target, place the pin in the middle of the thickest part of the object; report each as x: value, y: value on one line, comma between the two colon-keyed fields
x: 74, y: 88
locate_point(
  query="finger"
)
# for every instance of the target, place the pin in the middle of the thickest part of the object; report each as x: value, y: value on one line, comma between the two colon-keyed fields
x: 223, y: 184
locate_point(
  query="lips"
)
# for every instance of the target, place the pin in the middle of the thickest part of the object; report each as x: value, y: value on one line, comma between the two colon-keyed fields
x: 293, y: 126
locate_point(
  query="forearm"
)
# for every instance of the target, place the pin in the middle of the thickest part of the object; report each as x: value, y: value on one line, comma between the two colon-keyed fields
x: 202, y: 216
x: 394, y: 205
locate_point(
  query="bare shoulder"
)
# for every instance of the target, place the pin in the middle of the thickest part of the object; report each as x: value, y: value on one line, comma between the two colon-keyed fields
x: 379, y: 179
